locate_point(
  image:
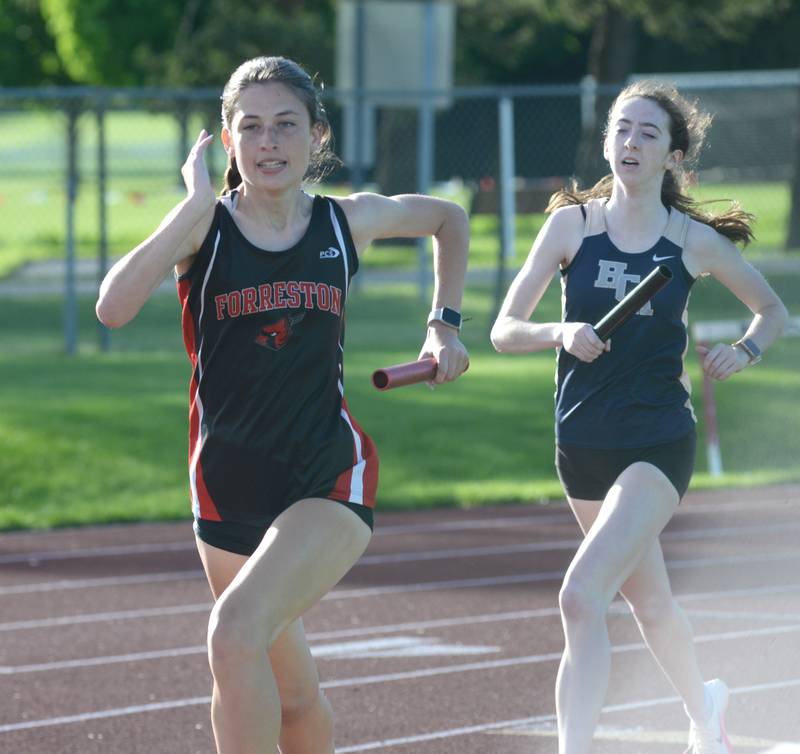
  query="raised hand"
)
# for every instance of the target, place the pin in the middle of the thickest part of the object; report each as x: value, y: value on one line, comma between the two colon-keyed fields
x: 194, y: 170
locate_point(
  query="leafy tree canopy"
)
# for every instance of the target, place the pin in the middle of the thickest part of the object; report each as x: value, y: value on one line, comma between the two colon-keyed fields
x: 110, y: 41
x: 27, y: 50
x: 214, y: 36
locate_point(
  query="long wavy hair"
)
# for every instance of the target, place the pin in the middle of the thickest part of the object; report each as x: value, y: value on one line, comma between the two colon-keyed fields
x: 687, y: 128
x: 267, y: 70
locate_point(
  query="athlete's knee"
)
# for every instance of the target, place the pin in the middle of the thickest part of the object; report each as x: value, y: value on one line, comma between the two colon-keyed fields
x: 580, y: 600
x: 235, y: 637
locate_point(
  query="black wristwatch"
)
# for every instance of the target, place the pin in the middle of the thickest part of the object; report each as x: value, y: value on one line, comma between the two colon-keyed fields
x: 446, y: 316
x: 752, y: 351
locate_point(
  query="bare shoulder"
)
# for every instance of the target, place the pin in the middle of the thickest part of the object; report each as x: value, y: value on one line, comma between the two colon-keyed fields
x: 706, y: 249
x: 362, y: 209
x: 364, y: 206
x: 372, y: 216
x: 562, y: 234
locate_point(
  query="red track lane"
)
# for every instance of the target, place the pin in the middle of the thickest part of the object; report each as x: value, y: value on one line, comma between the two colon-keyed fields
x: 444, y: 638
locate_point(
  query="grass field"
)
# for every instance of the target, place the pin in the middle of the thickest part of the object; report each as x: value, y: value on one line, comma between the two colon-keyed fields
x: 143, y: 161
x: 104, y: 437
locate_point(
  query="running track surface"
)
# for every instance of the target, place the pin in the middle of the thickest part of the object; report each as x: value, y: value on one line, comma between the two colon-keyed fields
x: 445, y: 637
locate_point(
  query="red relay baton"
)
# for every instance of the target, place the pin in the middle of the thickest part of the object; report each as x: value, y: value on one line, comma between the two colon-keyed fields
x: 407, y: 373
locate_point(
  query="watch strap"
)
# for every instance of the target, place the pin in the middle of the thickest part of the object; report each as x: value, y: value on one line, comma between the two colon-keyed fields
x: 750, y: 348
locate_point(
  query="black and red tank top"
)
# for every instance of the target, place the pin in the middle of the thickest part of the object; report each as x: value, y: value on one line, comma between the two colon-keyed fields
x: 264, y: 330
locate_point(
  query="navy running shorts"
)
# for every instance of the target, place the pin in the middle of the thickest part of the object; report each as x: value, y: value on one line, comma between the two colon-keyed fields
x: 589, y: 473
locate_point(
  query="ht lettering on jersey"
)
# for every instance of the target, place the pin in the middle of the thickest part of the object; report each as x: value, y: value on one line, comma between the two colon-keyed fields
x: 612, y: 275
x: 290, y: 294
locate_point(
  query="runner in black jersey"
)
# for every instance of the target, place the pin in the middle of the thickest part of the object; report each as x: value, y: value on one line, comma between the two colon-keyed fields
x: 283, y: 479
x: 624, y: 421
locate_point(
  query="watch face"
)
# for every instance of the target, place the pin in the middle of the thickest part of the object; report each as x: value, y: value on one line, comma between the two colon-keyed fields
x: 451, y: 317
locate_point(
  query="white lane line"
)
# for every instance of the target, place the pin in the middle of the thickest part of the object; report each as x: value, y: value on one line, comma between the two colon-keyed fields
x: 89, y: 662
x: 340, y: 594
x: 331, y: 650
x: 72, y: 620
x: 434, y: 623
x: 468, y: 524
x: 102, y: 714
x: 141, y: 578
x: 487, y: 727
x: 189, y: 544
x: 754, y: 505
x: 34, y: 558
x: 528, y: 578
x: 387, y: 743
x: 394, y: 646
x: 157, y: 612
x: 634, y: 735
x: 399, y: 646
x: 566, y: 544
x: 158, y: 706
x: 743, y: 615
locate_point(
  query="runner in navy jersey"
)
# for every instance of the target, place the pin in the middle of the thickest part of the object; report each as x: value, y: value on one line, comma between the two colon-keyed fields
x: 283, y: 479
x: 625, y: 436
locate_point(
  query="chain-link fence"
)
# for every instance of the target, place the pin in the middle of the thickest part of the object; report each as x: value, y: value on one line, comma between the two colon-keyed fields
x: 86, y: 174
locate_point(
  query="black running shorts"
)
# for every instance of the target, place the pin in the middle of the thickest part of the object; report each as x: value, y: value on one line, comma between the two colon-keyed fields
x: 243, y: 539
x: 589, y: 473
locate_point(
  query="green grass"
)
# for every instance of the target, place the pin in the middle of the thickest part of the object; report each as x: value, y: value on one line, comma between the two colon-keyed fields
x: 143, y: 161
x: 35, y: 208
x: 99, y: 438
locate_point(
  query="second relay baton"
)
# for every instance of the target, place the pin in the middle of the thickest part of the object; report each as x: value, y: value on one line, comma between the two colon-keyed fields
x: 404, y: 374
x: 633, y: 301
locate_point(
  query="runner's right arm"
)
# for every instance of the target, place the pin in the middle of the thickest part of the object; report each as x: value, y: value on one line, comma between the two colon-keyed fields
x: 131, y: 281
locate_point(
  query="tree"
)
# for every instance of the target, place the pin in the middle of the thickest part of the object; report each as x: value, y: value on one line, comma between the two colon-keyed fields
x: 27, y: 50
x: 214, y: 36
x: 109, y: 42
x: 503, y: 42
x: 617, y: 26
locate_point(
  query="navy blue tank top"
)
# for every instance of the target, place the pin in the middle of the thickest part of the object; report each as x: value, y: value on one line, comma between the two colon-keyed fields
x: 264, y: 331
x: 638, y: 393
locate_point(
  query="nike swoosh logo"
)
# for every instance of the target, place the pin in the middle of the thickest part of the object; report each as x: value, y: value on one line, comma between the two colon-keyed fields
x: 661, y: 259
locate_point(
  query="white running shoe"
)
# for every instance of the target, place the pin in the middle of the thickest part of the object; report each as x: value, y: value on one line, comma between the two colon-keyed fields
x: 711, y: 738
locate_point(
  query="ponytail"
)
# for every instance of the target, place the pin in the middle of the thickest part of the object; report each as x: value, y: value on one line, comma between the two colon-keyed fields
x: 735, y: 224
x: 232, y: 176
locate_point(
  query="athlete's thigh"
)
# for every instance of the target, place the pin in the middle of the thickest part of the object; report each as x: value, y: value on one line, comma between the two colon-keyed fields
x: 303, y: 555
x: 621, y: 530
x: 220, y: 566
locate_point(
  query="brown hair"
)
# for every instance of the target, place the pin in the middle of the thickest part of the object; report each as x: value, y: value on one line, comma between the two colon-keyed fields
x: 687, y: 127
x: 267, y: 70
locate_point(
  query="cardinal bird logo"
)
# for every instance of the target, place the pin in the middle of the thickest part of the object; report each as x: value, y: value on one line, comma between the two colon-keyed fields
x: 277, y: 334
